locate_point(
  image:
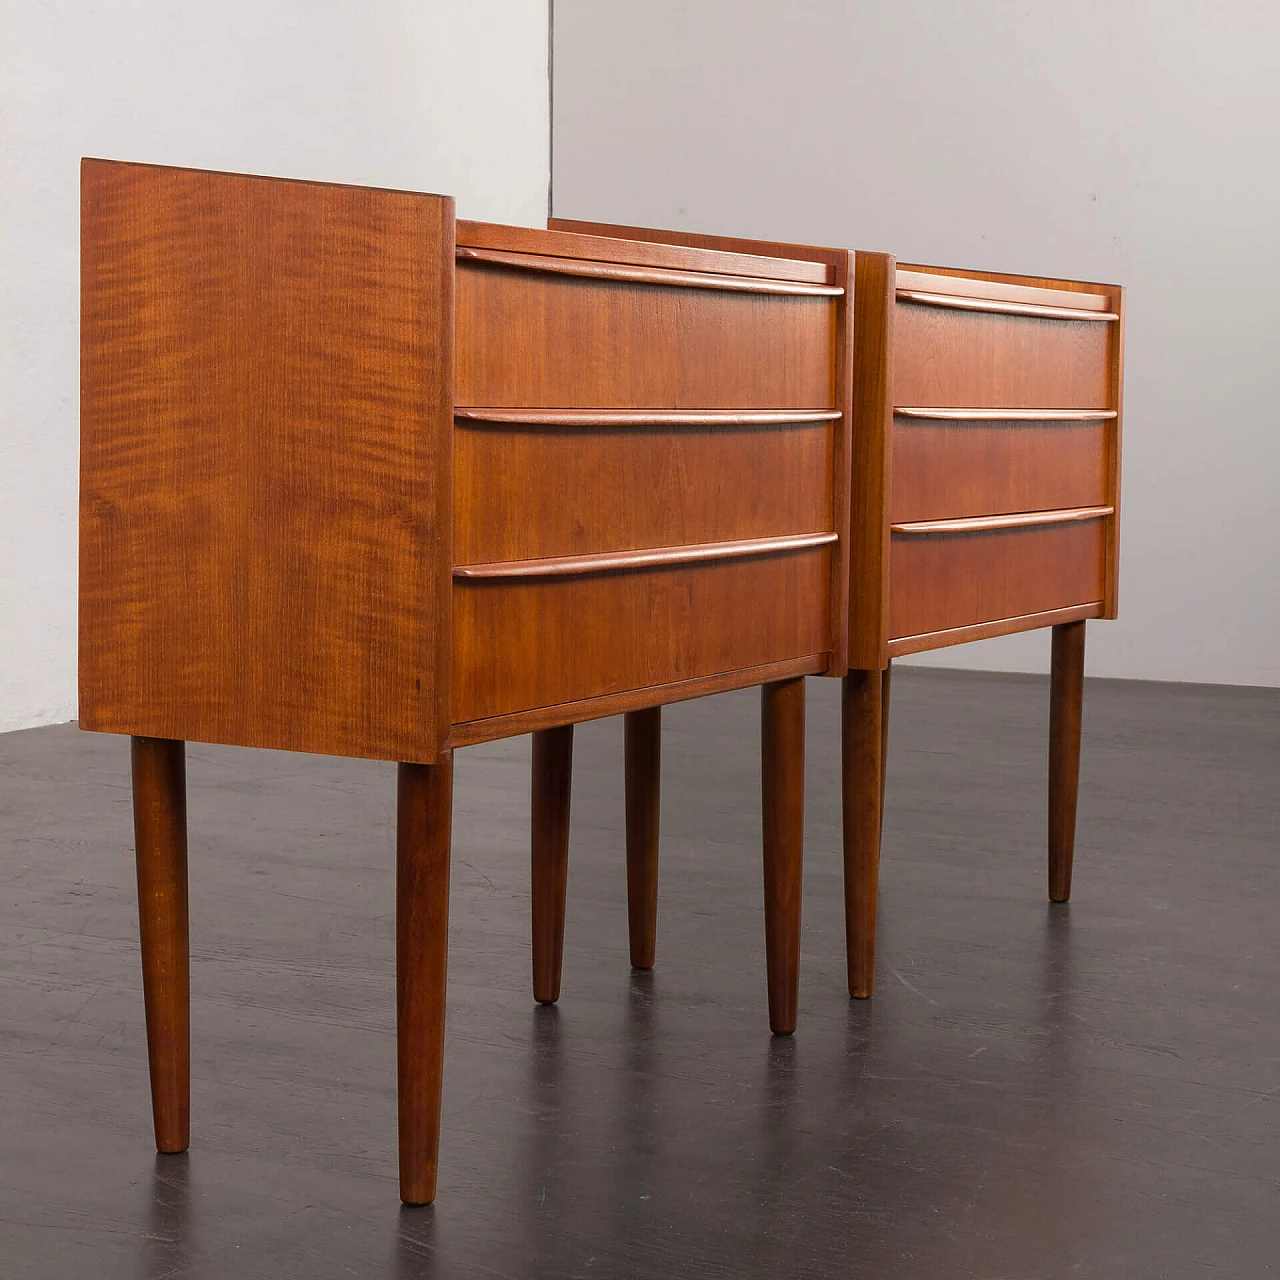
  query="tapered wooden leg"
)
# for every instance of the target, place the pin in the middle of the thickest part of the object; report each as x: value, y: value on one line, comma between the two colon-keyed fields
x: 552, y: 772
x: 160, y: 834
x: 862, y: 795
x: 782, y: 764
x: 1066, y: 700
x: 424, y: 826
x: 886, y: 679
x: 642, y: 737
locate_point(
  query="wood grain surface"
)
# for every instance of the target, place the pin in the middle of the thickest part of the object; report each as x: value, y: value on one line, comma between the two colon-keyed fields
x: 644, y: 247
x: 839, y: 269
x: 159, y: 770
x: 886, y: 686
x: 962, y: 302
x: 1005, y: 415
x: 797, y: 257
x: 424, y: 832
x: 593, y: 269
x: 989, y: 630
x: 979, y: 359
x: 1116, y: 381
x: 782, y: 786
x: 1066, y: 707
x: 532, y: 339
x: 863, y: 737
x: 572, y: 638
x: 597, y: 562
x: 600, y: 706
x: 524, y: 493
x: 642, y: 759
x: 551, y: 790
x: 604, y: 419
x: 998, y: 284
x: 1007, y: 520
x: 943, y: 469
x: 871, y: 472
x: 941, y: 581
x: 265, y: 462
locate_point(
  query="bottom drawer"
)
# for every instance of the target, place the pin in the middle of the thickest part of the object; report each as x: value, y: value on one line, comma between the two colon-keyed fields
x: 521, y: 644
x: 939, y: 581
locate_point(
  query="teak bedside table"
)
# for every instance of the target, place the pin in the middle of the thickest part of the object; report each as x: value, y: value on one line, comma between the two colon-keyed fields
x: 985, y: 483
x: 359, y: 480
x: 994, y: 508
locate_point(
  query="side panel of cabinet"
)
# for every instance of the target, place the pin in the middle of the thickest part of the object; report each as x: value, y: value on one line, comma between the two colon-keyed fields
x: 265, y: 462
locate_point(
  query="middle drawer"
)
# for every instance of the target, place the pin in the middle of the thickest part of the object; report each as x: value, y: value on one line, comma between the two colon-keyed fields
x: 950, y: 468
x: 529, y: 490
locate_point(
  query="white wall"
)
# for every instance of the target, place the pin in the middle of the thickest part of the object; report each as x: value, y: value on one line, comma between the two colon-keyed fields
x: 1135, y: 142
x: 435, y: 95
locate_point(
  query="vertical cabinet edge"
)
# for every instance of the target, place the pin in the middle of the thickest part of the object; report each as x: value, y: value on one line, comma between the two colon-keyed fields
x: 872, y: 397
x: 1111, y: 598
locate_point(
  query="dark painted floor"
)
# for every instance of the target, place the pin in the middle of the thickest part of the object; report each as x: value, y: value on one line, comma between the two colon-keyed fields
x: 1034, y: 1092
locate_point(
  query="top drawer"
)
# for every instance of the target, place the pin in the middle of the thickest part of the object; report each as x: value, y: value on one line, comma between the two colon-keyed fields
x: 1035, y: 349
x: 538, y: 336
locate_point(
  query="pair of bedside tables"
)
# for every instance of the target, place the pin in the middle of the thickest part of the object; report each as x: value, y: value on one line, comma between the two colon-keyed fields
x: 362, y: 479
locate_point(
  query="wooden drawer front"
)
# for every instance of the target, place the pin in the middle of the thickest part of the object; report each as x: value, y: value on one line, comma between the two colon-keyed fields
x: 520, y: 644
x: 978, y: 359
x: 942, y: 581
x: 942, y: 469
x: 535, y: 338
x: 524, y: 491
